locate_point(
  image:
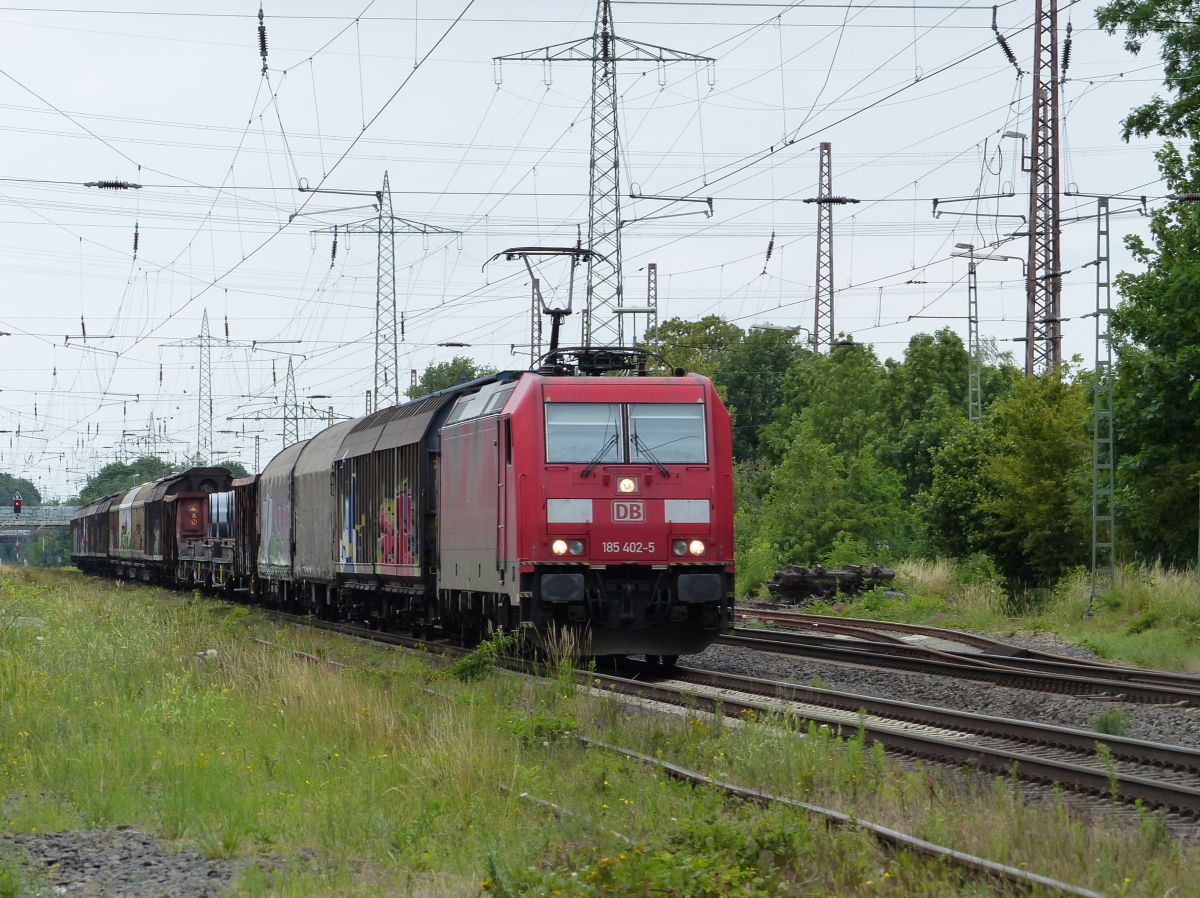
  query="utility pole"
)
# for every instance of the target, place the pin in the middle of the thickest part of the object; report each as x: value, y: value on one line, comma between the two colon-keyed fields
x: 1043, y: 277
x: 385, y: 226
x: 974, y: 363
x: 602, y: 321
x: 824, y: 333
x: 1103, y: 461
x: 204, y: 426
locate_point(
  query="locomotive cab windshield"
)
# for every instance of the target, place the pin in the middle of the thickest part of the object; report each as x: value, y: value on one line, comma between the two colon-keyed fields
x: 642, y: 433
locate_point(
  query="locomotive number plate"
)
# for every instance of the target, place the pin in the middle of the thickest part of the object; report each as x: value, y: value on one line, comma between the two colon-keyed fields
x: 627, y: 512
x: 615, y: 547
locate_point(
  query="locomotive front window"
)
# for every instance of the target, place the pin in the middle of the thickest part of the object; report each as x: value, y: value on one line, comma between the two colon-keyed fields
x: 583, y: 432
x: 660, y: 432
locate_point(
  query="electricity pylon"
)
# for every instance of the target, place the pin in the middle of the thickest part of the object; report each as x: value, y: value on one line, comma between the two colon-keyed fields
x: 602, y: 320
x: 204, y: 428
x: 824, y: 332
x: 385, y: 226
x: 1043, y: 277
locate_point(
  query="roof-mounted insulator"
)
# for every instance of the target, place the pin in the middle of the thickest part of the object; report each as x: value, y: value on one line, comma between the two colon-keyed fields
x: 113, y: 185
x: 262, y: 40
x: 1008, y: 53
x: 135, y: 238
x: 1066, y: 54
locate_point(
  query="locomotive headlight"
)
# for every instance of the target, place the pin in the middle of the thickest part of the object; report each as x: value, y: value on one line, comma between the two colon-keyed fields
x: 679, y: 547
x: 627, y: 485
x: 576, y: 547
x: 696, y: 547
x: 559, y: 547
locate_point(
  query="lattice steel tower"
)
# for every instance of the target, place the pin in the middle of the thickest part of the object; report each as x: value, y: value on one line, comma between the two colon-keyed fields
x: 1043, y: 285
x: 602, y: 323
x: 387, y: 336
x: 291, y: 409
x: 1103, y: 461
x: 824, y: 333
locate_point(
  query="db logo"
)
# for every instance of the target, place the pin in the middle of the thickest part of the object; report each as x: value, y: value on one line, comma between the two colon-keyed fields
x: 628, y: 512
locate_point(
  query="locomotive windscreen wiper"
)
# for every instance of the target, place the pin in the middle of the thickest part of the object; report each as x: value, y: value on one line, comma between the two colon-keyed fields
x: 649, y: 453
x: 608, y: 444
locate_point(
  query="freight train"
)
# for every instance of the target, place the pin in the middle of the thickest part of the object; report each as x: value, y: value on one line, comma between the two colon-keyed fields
x: 519, y: 501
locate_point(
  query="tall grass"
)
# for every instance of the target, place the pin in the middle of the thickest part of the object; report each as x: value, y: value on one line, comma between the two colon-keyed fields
x: 1149, y: 615
x: 384, y: 778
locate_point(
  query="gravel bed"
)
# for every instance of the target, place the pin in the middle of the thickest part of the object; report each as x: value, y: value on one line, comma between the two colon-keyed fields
x: 1156, y: 723
x: 119, y: 862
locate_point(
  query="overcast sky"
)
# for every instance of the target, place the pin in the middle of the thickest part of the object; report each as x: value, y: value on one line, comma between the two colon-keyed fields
x: 913, y: 99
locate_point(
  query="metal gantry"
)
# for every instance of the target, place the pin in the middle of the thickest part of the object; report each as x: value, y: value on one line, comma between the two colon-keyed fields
x: 536, y: 334
x: 824, y: 333
x: 1043, y: 277
x: 1103, y: 449
x: 602, y: 321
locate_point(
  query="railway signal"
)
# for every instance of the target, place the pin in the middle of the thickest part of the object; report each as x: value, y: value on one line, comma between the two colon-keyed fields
x: 16, y: 503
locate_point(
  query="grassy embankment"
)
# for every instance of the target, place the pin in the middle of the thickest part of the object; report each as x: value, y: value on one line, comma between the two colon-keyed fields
x: 1151, y: 617
x: 385, y: 778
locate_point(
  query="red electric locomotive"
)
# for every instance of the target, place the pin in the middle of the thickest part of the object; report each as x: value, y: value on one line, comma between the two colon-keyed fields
x: 603, y: 504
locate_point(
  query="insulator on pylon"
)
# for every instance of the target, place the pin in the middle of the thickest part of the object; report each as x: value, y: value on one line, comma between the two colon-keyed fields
x: 226, y: 327
x: 82, y: 326
x: 770, y: 249
x: 160, y: 372
x: 262, y: 40
x: 402, y: 327
x: 1008, y: 53
x: 333, y: 250
x: 1066, y: 54
x: 135, y: 238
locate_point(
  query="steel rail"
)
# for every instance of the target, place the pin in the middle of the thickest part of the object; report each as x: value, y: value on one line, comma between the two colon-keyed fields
x: 975, y: 740
x: 1023, y: 673
x: 991, y: 649
x: 884, y: 834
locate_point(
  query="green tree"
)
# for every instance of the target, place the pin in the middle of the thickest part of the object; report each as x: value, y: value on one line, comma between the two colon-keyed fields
x: 444, y: 375
x: 1174, y: 28
x: 951, y: 512
x: 10, y: 485
x: 838, y: 396
x: 1157, y: 323
x: 1039, y: 512
x: 817, y: 495
x: 700, y: 346
x: 119, y: 475
x: 751, y: 379
x: 236, y: 468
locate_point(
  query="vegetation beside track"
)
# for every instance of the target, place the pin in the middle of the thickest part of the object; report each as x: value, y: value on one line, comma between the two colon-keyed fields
x: 1151, y: 617
x: 127, y: 705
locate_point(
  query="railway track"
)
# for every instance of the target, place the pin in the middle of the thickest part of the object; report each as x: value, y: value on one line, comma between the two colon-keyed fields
x: 1127, y: 770
x: 1113, y: 683
x: 1059, y: 673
